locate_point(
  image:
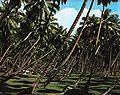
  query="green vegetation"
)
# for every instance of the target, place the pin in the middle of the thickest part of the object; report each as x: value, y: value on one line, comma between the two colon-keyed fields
x: 98, y: 85
x: 32, y: 42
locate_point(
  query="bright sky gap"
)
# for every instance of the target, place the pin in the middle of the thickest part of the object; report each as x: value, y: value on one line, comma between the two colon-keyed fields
x: 68, y: 11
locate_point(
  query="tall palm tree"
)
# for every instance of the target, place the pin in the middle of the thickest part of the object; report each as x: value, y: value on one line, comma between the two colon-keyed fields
x: 69, y: 55
x: 8, y: 25
x: 28, y: 43
x: 11, y: 4
x: 109, y: 37
x: 105, y: 2
x: 75, y: 21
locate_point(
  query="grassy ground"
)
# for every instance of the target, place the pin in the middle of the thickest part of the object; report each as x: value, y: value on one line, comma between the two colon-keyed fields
x: 98, y: 85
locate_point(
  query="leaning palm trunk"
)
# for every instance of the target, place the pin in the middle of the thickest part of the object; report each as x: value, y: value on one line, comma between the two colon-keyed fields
x: 4, y: 55
x: 69, y: 32
x: 11, y: 73
x: 112, y: 63
x: 70, y: 67
x: 81, y: 32
x: 25, y: 59
x: 24, y: 62
x: 35, y: 84
x: 100, y: 26
x: 109, y: 64
x: 67, y: 58
x: 75, y: 21
x: 80, y: 90
x: 35, y: 63
x: 109, y: 89
x: 84, y: 69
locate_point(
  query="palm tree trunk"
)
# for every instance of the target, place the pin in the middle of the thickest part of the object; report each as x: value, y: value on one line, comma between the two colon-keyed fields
x: 101, y: 21
x: 71, y: 28
x: 90, y: 76
x: 71, y: 65
x: 67, y: 58
x: 109, y: 89
x: 75, y: 21
x: 3, y: 56
x: 79, y: 34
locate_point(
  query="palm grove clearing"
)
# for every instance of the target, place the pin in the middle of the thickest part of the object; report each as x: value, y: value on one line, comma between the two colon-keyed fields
x: 32, y: 41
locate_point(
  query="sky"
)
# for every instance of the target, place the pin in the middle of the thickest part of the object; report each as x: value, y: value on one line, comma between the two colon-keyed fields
x: 68, y: 11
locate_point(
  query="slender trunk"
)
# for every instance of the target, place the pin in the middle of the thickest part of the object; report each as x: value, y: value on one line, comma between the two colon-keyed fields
x: 67, y: 58
x: 70, y: 30
x: 70, y: 66
x: 75, y: 21
x: 3, y: 56
x: 100, y: 26
x: 88, y: 82
x: 110, y: 62
x: 109, y: 89
x: 84, y: 70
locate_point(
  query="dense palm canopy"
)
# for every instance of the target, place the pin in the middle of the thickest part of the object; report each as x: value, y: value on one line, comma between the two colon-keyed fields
x: 31, y: 40
x: 109, y: 37
x: 105, y: 2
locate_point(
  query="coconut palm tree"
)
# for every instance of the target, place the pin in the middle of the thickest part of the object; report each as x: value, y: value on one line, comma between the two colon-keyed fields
x: 109, y: 37
x: 69, y: 55
x: 105, y: 2
x: 8, y: 24
x: 28, y: 35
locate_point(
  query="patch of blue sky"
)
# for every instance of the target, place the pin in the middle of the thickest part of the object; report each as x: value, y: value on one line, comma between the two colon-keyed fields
x: 68, y: 11
x: 115, y: 7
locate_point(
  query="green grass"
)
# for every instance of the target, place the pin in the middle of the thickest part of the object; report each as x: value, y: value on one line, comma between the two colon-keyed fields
x: 98, y: 85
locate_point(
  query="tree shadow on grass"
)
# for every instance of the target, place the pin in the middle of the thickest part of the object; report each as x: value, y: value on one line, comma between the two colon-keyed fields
x: 23, y: 81
x: 115, y: 92
x: 7, y: 89
x: 24, y: 76
x: 48, y: 91
x: 2, y: 93
x: 72, y: 78
x: 19, y: 86
x: 66, y: 82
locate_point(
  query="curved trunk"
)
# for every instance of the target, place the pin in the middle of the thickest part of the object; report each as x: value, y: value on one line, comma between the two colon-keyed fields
x: 67, y: 58
x: 69, y: 32
x: 101, y: 20
x: 75, y: 21
x: 79, y: 35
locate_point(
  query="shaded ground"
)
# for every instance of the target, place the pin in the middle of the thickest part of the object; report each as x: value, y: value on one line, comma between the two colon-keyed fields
x: 98, y: 85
